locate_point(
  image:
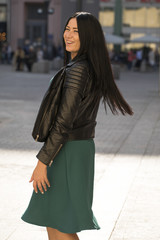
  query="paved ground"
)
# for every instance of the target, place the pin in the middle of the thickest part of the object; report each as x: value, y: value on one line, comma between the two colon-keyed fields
x: 127, y: 177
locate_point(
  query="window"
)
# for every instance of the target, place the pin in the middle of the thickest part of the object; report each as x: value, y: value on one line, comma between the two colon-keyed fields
x: 106, y: 17
x: 142, y: 17
x: 3, y: 14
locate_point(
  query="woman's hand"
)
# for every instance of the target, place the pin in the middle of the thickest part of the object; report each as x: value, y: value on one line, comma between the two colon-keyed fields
x: 39, y: 177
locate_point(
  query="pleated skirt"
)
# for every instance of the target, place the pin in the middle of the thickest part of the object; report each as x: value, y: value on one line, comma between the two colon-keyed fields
x: 67, y: 204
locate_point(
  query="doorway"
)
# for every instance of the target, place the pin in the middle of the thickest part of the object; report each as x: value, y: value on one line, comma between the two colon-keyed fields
x: 36, y: 23
x: 36, y: 32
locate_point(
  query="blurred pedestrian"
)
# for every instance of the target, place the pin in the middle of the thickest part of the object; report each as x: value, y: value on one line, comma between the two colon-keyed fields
x: 138, y: 59
x: 4, y: 54
x: 26, y: 47
x: 39, y: 55
x: 65, y: 208
x: 18, y: 60
x: 131, y: 57
x: 30, y: 58
x: 45, y: 53
x: 151, y: 58
x: 157, y: 58
x: 9, y: 53
x: 111, y: 54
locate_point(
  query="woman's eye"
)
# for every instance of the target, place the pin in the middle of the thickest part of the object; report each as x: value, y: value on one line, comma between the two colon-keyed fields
x: 68, y: 29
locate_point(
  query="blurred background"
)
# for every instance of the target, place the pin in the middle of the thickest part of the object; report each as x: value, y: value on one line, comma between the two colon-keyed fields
x: 32, y: 30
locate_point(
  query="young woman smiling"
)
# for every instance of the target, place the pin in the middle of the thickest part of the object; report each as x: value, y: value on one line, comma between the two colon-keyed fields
x: 65, y: 170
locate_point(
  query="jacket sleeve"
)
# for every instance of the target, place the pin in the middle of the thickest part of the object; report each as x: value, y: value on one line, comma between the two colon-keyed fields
x: 74, y: 86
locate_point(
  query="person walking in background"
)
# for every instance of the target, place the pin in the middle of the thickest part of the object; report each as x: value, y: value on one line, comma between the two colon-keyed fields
x: 4, y: 54
x: 157, y: 58
x: 18, y: 60
x: 151, y: 59
x: 9, y: 53
x: 64, y: 175
x: 30, y: 58
x: 45, y: 53
x: 39, y: 55
x: 131, y: 57
x: 138, y: 59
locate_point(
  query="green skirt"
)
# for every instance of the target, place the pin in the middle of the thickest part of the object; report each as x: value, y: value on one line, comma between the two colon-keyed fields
x: 67, y: 204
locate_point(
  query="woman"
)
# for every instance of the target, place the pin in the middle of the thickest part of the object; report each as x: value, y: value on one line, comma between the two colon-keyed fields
x: 65, y: 208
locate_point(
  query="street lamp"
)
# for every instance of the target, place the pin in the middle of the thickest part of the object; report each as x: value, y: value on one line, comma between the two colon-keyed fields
x: 39, y: 10
x: 118, y: 22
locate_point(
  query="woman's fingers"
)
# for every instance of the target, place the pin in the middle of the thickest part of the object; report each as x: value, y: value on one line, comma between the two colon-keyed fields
x: 44, y: 186
x: 35, y: 186
x: 47, y: 182
x: 40, y: 187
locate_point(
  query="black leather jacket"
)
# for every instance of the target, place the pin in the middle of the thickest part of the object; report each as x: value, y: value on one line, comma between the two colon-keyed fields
x: 78, y: 107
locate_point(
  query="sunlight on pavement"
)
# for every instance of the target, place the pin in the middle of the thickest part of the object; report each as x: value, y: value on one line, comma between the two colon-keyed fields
x: 115, y: 176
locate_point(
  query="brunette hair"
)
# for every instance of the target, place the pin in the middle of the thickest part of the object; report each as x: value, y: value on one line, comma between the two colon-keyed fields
x: 92, y: 43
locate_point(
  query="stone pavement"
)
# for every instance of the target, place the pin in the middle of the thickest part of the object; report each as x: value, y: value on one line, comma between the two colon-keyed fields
x: 127, y: 172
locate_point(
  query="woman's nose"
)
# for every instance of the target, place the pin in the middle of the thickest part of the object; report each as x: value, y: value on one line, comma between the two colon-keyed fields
x: 69, y: 34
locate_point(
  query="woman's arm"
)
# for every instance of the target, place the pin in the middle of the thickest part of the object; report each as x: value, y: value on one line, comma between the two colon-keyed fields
x: 74, y: 87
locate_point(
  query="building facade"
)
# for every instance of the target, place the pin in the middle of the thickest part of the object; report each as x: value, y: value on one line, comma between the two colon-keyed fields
x: 42, y: 21
x: 39, y: 22
x: 3, y: 19
x: 139, y: 17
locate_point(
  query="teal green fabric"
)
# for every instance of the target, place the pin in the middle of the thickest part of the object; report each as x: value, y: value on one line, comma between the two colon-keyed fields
x: 67, y: 204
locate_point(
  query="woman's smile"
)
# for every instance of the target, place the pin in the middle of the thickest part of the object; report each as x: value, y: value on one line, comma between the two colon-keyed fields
x: 69, y: 42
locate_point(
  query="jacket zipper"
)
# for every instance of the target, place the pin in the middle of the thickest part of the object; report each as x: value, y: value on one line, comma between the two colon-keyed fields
x: 37, y: 136
x: 55, y: 154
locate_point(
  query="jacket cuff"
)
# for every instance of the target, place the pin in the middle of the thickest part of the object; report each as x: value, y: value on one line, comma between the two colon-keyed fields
x: 40, y: 157
x: 47, y: 159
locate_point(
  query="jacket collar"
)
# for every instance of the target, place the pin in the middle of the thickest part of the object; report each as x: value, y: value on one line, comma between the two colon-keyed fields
x: 78, y: 59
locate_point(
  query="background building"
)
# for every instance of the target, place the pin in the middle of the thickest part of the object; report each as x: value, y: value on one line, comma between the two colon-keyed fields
x: 40, y: 21
x: 139, y: 17
x: 3, y: 19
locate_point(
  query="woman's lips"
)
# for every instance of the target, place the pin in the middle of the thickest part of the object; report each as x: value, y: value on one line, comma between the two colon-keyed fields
x: 69, y: 42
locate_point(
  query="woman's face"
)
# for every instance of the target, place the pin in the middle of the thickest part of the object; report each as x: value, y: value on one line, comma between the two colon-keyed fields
x: 71, y: 37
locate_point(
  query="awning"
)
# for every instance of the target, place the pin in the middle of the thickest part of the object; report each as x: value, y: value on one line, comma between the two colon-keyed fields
x: 110, y: 38
x: 146, y: 39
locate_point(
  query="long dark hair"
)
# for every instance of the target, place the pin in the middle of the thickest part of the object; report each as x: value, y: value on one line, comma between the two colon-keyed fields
x: 92, y: 43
